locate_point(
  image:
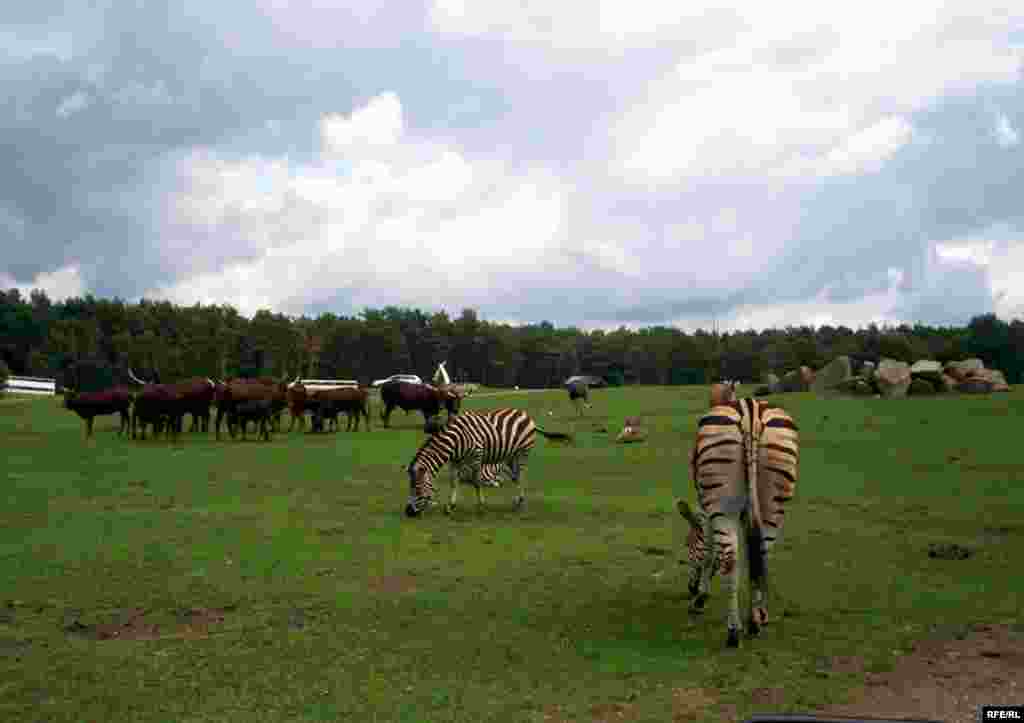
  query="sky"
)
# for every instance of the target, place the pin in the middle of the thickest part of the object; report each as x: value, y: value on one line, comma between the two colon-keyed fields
x: 598, y: 163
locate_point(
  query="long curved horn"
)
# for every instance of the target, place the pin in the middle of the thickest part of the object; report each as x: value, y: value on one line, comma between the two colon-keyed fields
x: 135, y: 378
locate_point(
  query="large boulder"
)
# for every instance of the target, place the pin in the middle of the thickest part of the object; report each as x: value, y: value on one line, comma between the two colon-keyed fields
x: 857, y: 386
x: 927, y: 369
x: 960, y: 370
x: 892, y: 378
x: 993, y: 376
x: 798, y: 380
x: 920, y: 386
x: 632, y: 431
x: 832, y: 374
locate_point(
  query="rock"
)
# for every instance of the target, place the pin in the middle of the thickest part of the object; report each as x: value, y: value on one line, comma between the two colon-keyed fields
x: 920, y: 387
x: 798, y: 380
x: 975, y: 385
x: 892, y: 378
x: 720, y: 394
x: 993, y: 376
x: 927, y: 369
x: 835, y: 372
x: 960, y: 370
x: 857, y: 386
x: 632, y: 431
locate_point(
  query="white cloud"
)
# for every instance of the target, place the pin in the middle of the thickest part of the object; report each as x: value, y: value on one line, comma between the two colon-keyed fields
x: 1002, y: 259
x: 377, y: 125
x: 73, y: 103
x: 1006, y: 134
x: 58, y: 285
x: 408, y: 220
x: 869, y: 148
x: 791, y: 95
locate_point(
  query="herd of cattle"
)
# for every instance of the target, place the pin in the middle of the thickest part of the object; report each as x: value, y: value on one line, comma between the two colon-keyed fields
x: 261, y: 401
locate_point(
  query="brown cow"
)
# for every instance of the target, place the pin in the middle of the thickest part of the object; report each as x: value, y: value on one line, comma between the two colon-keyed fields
x: 228, y: 394
x: 89, y: 405
x: 328, y: 403
x: 197, y: 395
x: 421, y: 397
x: 297, y: 400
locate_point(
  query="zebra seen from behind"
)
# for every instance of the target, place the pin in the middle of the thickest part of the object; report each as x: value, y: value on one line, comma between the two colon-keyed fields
x: 500, y: 438
x: 744, y: 466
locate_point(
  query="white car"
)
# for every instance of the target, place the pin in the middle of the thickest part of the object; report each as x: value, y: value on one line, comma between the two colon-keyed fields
x: 410, y: 378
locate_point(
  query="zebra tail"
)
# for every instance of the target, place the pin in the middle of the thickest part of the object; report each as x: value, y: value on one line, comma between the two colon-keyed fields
x: 755, y: 530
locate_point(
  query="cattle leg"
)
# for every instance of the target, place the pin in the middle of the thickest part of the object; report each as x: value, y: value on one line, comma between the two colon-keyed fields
x: 88, y: 426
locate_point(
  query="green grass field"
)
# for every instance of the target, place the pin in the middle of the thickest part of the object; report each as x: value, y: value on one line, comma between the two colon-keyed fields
x: 337, y: 607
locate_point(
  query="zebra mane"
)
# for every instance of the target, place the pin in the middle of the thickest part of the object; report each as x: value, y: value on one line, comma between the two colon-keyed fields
x: 438, y: 450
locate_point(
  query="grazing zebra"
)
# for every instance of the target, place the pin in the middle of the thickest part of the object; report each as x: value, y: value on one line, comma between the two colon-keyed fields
x: 744, y: 466
x: 501, y: 438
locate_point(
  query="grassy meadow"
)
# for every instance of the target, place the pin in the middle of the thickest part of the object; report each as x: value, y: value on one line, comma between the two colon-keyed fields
x: 281, y: 581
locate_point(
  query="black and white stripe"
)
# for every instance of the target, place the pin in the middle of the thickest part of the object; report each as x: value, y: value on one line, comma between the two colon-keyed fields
x: 469, y: 441
x: 744, y: 466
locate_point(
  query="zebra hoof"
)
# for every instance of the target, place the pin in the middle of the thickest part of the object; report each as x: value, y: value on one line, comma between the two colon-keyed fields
x: 448, y: 509
x: 520, y: 503
x: 733, y: 641
x: 758, y: 619
x: 694, y: 588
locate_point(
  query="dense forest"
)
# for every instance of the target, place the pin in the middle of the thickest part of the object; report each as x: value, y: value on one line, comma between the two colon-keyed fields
x: 42, y: 338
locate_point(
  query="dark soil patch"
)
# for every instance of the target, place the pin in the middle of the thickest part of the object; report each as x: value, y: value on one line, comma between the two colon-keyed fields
x: 138, y: 624
x: 949, y: 551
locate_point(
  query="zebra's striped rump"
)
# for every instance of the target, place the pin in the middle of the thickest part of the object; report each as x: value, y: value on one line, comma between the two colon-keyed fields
x: 744, y: 465
x: 481, y: 447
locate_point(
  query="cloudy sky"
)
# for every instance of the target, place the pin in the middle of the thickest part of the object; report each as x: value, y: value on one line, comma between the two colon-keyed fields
x: 598, y: 162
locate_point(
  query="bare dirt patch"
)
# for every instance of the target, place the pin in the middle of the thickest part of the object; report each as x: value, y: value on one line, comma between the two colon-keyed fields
x: 138, y: 624
x: 393, y: 584
x: 689, y: 703
x: 945, y: 679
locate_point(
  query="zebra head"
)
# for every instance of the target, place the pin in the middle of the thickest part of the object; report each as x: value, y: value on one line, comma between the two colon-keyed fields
x: 421, y: 490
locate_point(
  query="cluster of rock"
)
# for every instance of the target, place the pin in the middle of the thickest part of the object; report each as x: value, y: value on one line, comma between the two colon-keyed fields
x: 890, y: 378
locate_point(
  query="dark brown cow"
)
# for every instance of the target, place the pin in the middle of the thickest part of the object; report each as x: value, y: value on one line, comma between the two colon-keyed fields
x: 162, y: 406
x: 421, y: 397
x: 89, y: 405
x: 353, y: 401
x: 228, y: 394
x: 197, y: 395
x: 297, y: 400
x: 253, y: 410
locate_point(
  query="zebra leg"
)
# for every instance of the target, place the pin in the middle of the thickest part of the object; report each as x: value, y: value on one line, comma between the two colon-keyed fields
x: 480, y: 501
x: 725, y: 530
x: 450, y: 507
x: 758, y: 594
x: 518, y: 467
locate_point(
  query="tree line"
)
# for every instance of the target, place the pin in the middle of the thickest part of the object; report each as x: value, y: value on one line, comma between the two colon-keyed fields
x: 40, y: 337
